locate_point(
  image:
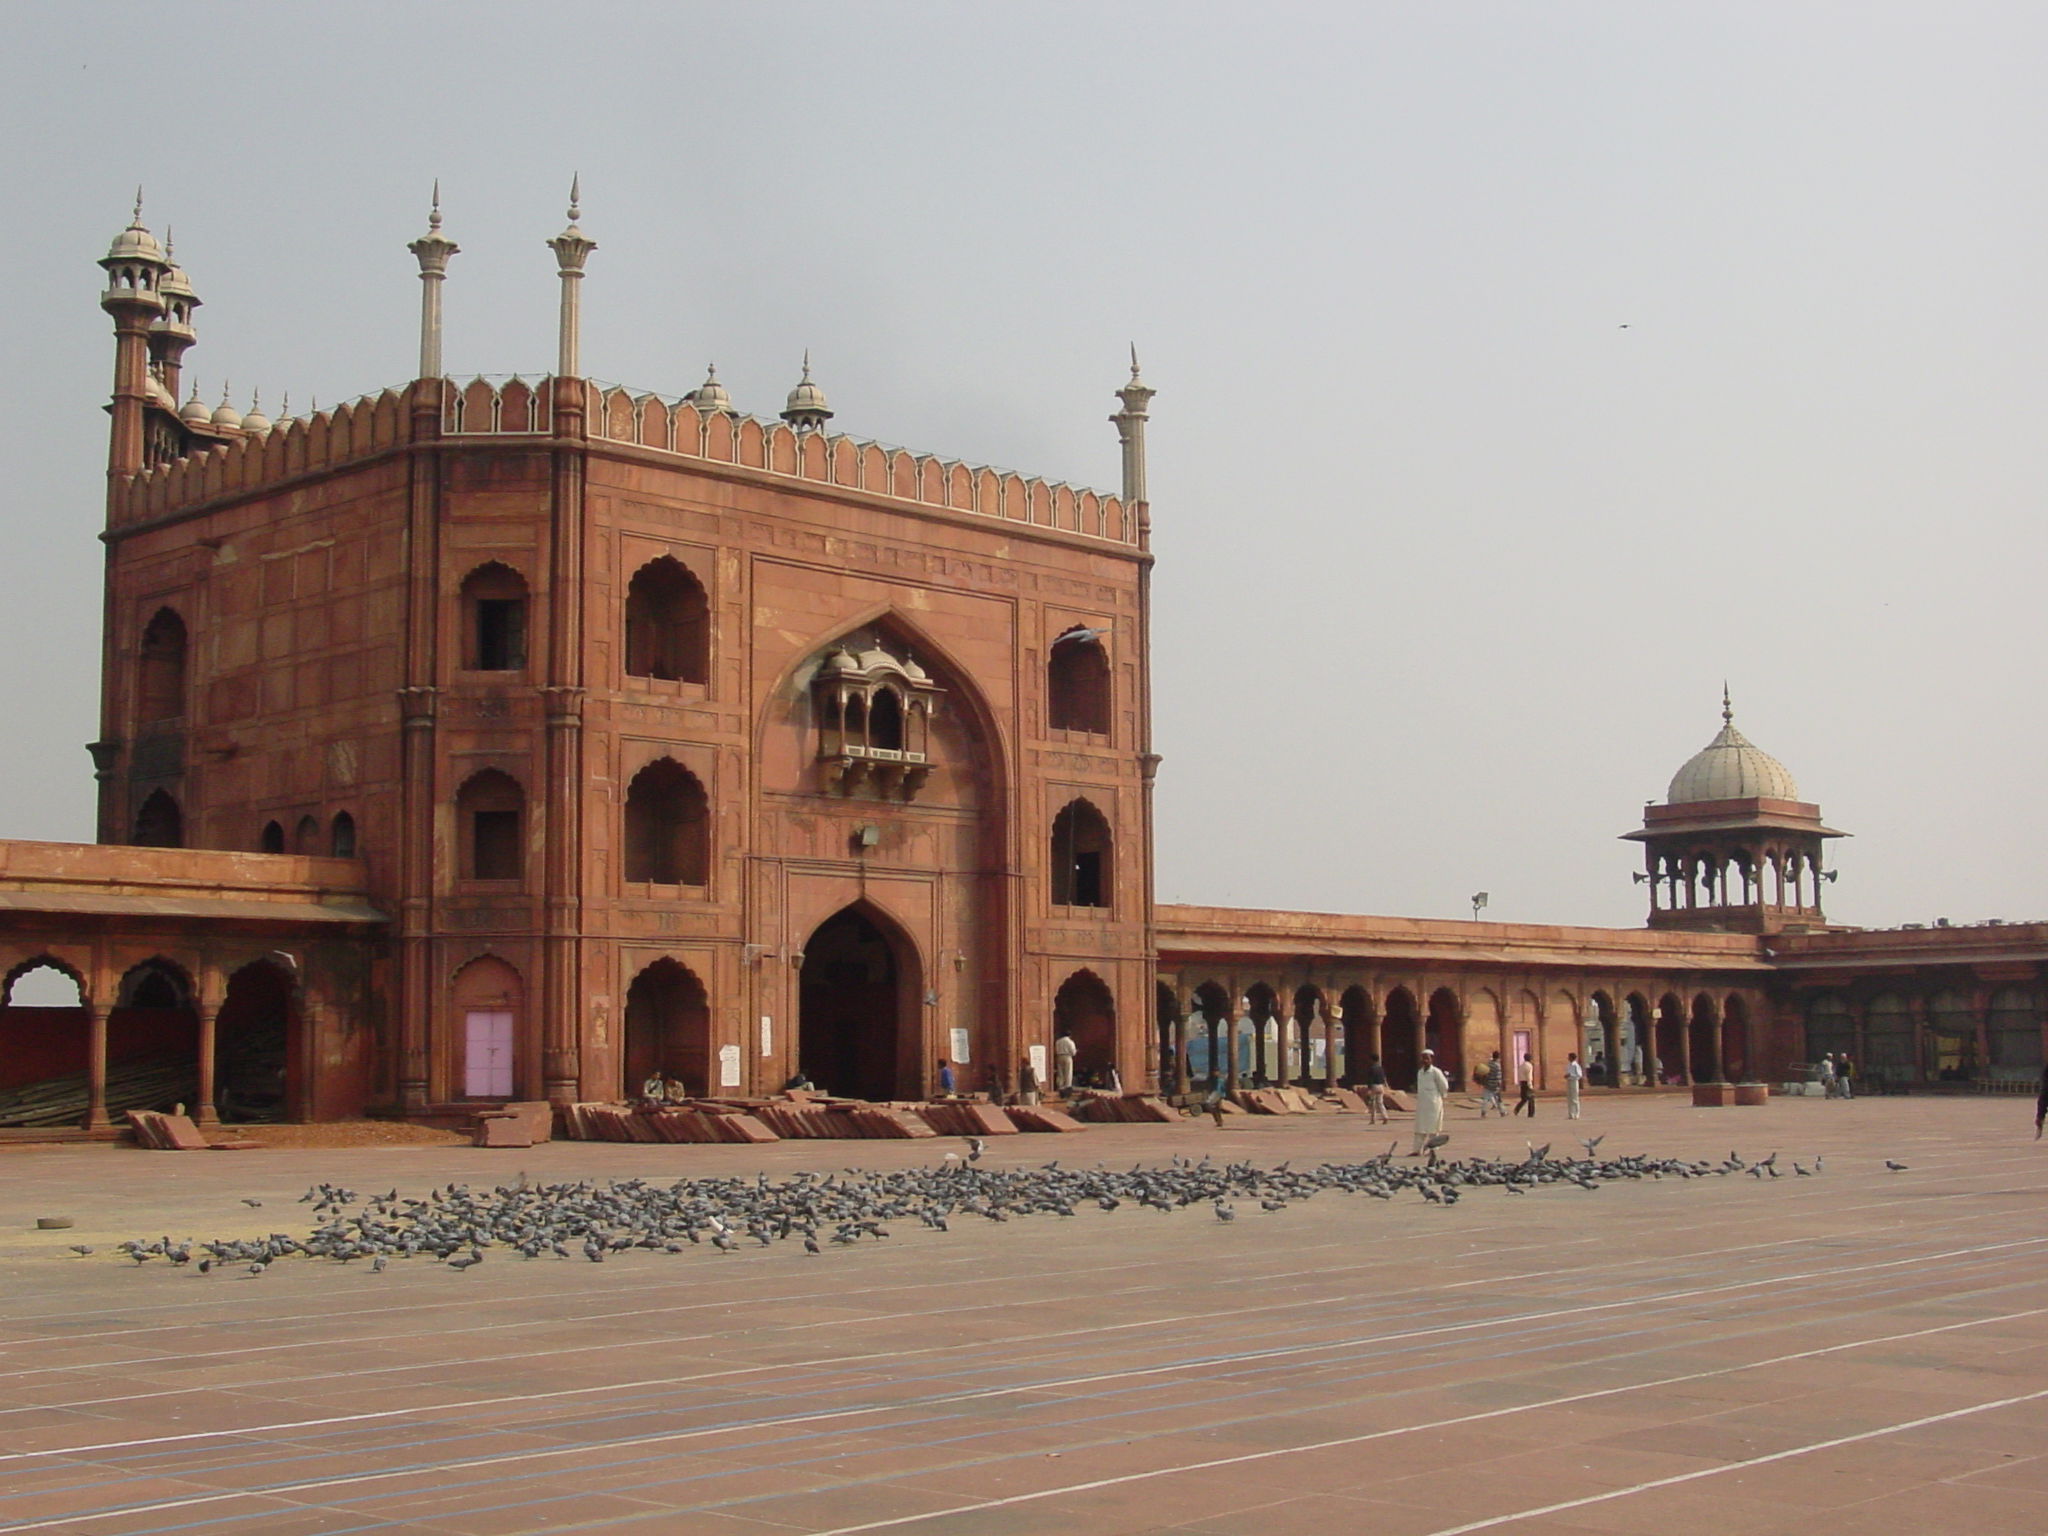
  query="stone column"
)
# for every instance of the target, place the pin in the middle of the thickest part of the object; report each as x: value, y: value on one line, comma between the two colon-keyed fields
x: 209, y: 1016
x: 96, y: 1067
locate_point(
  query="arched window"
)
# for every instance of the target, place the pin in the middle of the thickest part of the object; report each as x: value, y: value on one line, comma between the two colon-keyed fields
x: 490, y: 816
x: 668, y: 624
x: 341, y: 837
x: 885, y: 721
x: 271, y: 839
x: 306, y: 840
x: 494, y: 619
x: 1077, y: 684
x: 668, y: 826
x: 159, y: 823
x: 1081, y: 864
x: 160, y: 685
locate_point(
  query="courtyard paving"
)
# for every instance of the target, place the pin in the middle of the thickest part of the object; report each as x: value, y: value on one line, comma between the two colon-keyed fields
x: 1859, y: 1351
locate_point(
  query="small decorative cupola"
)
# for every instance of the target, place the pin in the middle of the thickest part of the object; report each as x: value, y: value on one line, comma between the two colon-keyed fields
x: 225, y: 417
x: 1733, y: 848
x: 874, y: 709
x: 806, y: 409
x: 254, y: 422
x: 196, y: 412
x: 710, y: 396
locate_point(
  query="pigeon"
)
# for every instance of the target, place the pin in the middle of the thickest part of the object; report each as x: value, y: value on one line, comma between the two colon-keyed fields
x: 1895, y: 1167
x: 1224, y: 1212
x: 81, y: 1248
x: 1593, y: 1147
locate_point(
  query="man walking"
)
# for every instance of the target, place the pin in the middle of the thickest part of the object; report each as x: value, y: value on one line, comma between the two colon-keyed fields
x: 1374, y: 1081
x: 1574, y: 1076
x: 1431, y: 1089
x: 1492, y: 1079
x: 1844, y: 1073
x: 1826, y: 1073
x: 1525, y: 1083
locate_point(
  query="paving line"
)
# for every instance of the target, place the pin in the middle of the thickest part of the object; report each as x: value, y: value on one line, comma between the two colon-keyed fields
x: 1038, y: 1495
x: 831, y: 1415
x: 1282, y: 1351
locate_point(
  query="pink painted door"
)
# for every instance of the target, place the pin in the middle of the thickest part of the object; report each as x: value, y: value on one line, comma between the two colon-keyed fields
x: 487, y: 1054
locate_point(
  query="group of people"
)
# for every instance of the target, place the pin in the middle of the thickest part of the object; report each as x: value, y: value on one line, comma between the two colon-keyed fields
x: 1493, y: 1080
x: 1836, y: 1075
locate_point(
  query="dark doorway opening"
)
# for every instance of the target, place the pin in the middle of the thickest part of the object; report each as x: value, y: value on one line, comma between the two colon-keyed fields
x: 1084, y: 1009
x: 1400, y: 1040
x: 668, y: 1029
x: 252, y: 1050
x: 857, y: 1008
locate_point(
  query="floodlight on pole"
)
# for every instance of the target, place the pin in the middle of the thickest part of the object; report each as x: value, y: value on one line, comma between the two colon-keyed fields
x: 1478, y: 904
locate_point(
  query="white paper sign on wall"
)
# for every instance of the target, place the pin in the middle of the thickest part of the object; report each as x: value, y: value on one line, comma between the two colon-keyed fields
x: 1038, y: 1061
x: 960, y: 1046
x: 767, y: 1035
x: 728, y: 1066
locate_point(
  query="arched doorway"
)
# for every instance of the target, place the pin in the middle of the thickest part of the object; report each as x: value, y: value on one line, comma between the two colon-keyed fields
x: 1600, y: 1051
x: 485, y: 1055
x: 1400, y: 1039
x: 1702, y: 1041
x: 1735, y: 1041
x: 1361, y: 1042
x: 1444, y: 1033
x: 254, y: 1066
x: 153, y: 1040
x: 1084, y: 1009
x: 1172, y: 1047
x: 858, y: 1007
x: 44, y: 1039
x: 1306, y: 1053
x: 668, y: 1029
x: 1669, y: 1054
x: 1637, y: 1049
x: 1209, y: 1051
x: 1261, y: 1064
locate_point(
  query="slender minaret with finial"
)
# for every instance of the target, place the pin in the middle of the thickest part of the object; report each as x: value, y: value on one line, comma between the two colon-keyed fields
x: 1130, y: 431
x: 135, y: 265
x: 433, y: 250
x: 572, y: 248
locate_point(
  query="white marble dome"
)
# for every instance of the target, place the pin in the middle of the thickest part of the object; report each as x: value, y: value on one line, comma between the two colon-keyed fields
x: 1730, y: 767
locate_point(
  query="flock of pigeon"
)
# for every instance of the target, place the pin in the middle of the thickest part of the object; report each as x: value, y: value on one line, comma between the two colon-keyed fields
x: 460, y: 1226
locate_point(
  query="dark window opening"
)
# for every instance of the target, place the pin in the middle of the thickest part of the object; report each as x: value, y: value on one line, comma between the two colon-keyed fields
x: 341, y: 841
x: 159, y: 823
x: 1078, y: 686
x: 668, y: 824
x: 668, y: 624
x: 1081, y: 864
x: 160, y: 690
x: 885, y: 721
x: 500, y: 634
x: 272, y: 839
x: 490, y: 813
x: 494, y: 619
x: 494, y: 844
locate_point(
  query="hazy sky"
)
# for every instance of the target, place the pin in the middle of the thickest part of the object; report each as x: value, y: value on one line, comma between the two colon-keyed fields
x: 1524, y: 370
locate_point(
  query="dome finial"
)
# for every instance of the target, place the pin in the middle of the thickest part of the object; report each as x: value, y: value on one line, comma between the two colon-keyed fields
x: 136, y: 221
x: 434, y: 213
x: 1134, y: 360
x: 1727, y: 709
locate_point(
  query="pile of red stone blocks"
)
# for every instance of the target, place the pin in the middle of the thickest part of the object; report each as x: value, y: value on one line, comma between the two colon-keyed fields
x: 671, y: 1123
x: 966, y: 1117
x: 176, y: 1133
x: 1138, y: 1108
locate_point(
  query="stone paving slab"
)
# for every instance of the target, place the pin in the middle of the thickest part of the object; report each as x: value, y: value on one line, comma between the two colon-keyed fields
x: 1740, y: 1356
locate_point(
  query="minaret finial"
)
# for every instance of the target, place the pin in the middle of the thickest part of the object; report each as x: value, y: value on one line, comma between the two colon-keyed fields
x: 434, y: 213
x: 137, y: 220
x: 1134, y: 359
x: 575, y: 197
x: 1727, y: 707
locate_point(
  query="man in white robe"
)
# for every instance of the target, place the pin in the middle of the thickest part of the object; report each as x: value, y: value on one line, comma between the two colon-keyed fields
x: 1431, y: 1089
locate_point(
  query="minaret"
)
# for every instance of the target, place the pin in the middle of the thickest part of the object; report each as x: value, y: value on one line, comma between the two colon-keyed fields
x: 806, y: 409
x: 135, y: 266
x: 171, y: 334
x: 1130, y: 431
x: 572, y: 248
x: 433, y: 250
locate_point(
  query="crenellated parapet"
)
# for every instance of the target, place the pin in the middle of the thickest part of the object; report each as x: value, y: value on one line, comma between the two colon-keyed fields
x: 517, y: 407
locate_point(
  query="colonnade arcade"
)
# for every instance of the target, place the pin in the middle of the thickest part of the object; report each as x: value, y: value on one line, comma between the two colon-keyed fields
x: 1932, y: 1029
x: 220, y: 1032
x: 1273, y: 1031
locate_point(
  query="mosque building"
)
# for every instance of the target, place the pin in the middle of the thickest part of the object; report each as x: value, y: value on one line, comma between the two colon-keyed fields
x: 523, y: 738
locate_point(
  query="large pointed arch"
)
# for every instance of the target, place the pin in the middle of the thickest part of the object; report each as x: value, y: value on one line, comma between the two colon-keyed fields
x: 792, y: 686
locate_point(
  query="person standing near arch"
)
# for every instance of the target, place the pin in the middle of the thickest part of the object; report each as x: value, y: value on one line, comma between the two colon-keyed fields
x: 1431, y: 1089
x: 1063, y: 1053
x: 1574, y: 1080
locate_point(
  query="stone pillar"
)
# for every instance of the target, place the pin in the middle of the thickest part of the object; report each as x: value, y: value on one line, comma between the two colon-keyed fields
x: 417, y: 709
x: 209, y: 1016
x: 96, y: 1067
x: 1230, y: 1018
x: 1285, y: 1028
